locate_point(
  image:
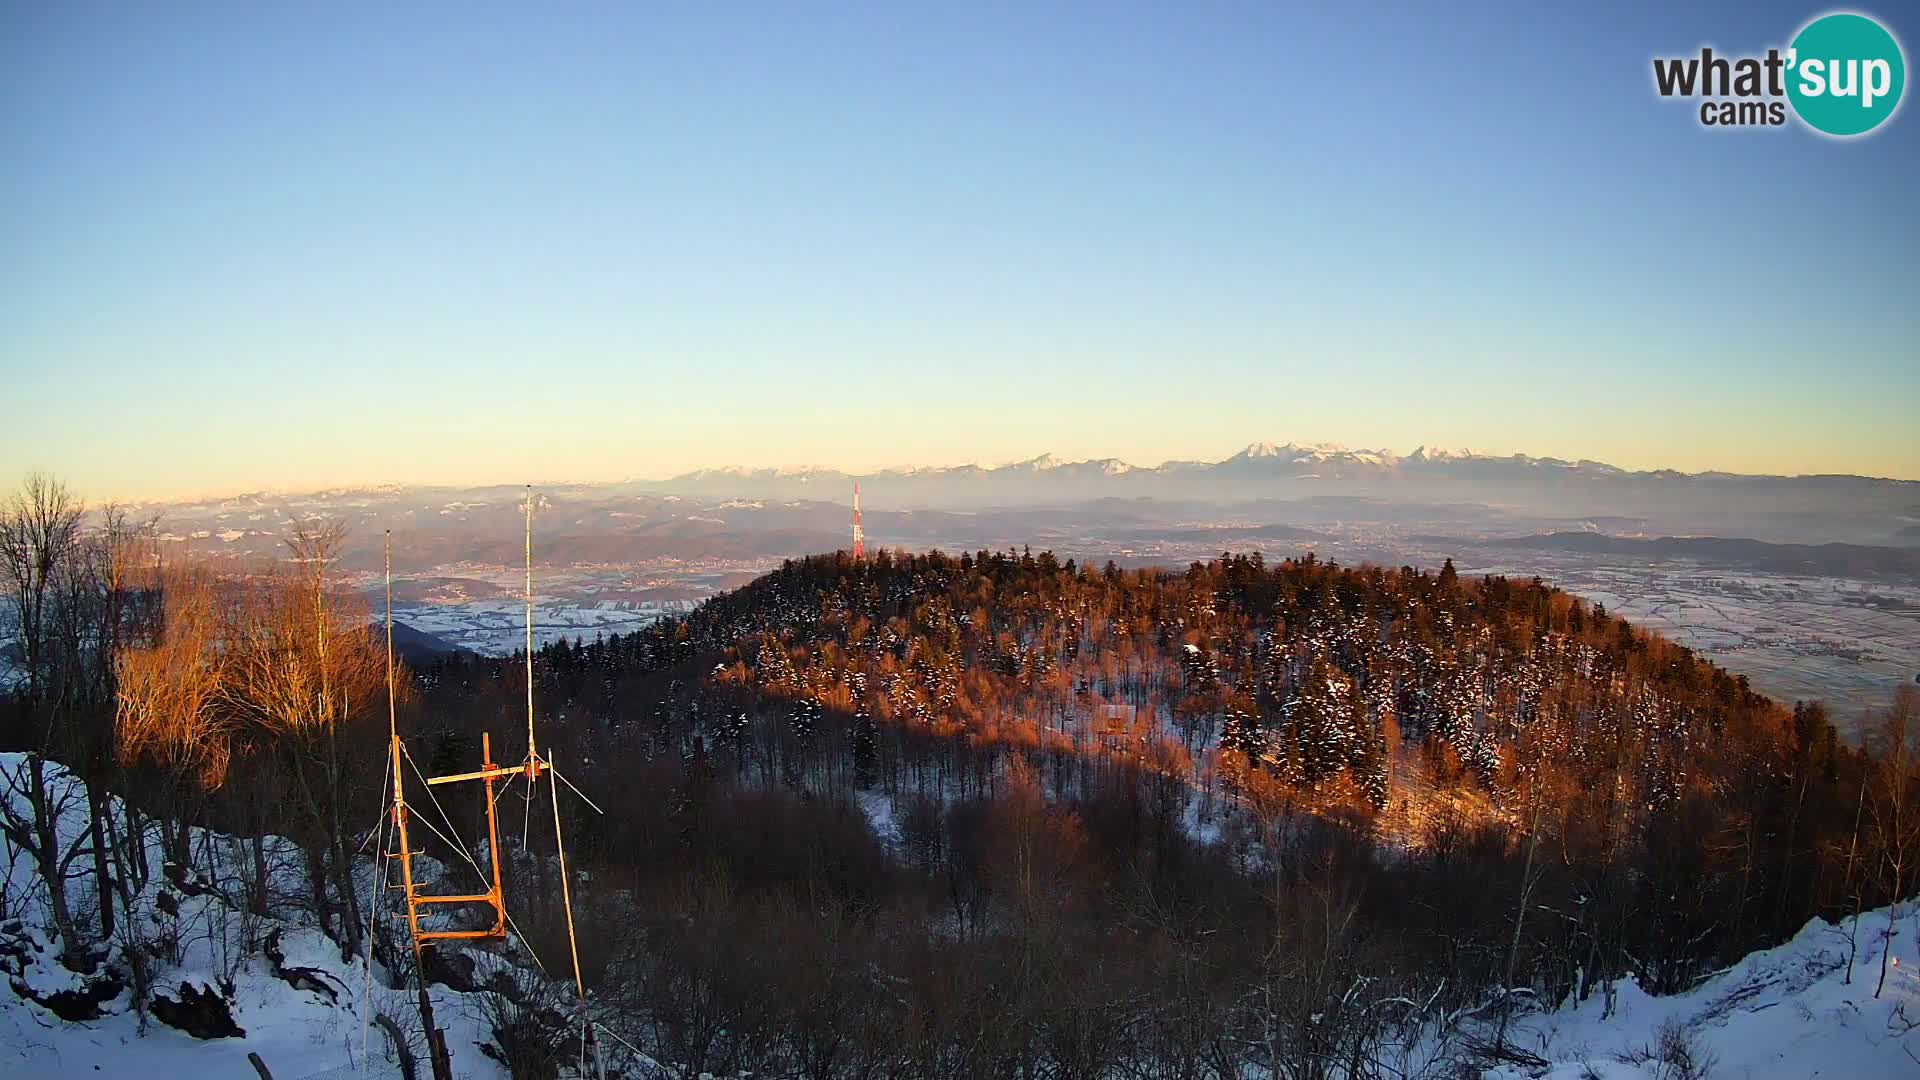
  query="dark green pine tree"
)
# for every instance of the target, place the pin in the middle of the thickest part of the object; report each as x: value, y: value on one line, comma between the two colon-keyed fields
x: 1242, y: 730
x: 1310, y: 726
x: 1368, y: 760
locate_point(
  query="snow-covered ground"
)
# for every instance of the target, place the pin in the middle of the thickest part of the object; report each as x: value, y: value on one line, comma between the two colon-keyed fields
x: 297, y: 1032
x: 1788, y: 1013
x: 285, y: 988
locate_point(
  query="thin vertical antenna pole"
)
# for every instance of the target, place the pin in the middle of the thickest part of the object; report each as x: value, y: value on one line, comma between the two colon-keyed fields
x: 378, y: 893
x: 531, y: 755
x: 393, y: 726
x: 566, y: 890
x: 399, y: 794
x: 566, y: 899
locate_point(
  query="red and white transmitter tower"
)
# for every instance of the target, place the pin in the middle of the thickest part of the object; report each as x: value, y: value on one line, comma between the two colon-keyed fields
x: 859, y: 536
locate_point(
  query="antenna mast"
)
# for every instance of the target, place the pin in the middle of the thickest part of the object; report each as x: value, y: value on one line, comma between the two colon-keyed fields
x: 533, y: 755
x: 859, y: 535
x: 489, y: 773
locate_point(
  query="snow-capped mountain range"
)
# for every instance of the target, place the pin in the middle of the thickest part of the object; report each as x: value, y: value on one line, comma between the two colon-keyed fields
x: 1265, y: 469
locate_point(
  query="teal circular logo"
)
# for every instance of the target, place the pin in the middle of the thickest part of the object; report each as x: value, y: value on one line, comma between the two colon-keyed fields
x: 1845, y: 73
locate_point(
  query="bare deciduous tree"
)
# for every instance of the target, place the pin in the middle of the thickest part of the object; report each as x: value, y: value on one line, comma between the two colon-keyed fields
x: 301, y: 667
x: 170, y: 686
x: 1895, y: 809
x: 39, y: 535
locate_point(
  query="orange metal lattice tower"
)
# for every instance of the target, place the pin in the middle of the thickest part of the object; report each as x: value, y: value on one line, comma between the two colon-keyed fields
x: 488, y: 774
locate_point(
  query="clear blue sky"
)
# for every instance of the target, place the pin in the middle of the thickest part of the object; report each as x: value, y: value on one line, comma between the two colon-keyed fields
x: 265, y: 245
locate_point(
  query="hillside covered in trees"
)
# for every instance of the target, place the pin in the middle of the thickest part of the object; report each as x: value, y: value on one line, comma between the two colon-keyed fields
x: 980, y: 815
x: 1245, y: 783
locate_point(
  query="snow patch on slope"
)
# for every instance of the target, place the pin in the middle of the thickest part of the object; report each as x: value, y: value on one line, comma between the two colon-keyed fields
x: 1788, y: 1011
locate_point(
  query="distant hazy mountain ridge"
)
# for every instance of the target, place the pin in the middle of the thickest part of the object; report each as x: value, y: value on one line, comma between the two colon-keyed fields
x: 1291, y: 460
x: 1293, y: 470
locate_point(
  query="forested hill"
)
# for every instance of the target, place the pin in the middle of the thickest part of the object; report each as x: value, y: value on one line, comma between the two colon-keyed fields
x: 1500, y: 784
x: 1340, y: 685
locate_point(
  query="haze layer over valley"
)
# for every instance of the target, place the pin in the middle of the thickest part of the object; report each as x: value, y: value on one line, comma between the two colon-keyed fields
x: 1810, y: 586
